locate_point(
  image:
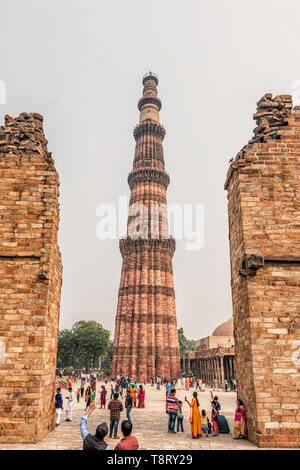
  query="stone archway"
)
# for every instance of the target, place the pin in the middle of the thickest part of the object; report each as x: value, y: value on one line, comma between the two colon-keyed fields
x: 264, y: 210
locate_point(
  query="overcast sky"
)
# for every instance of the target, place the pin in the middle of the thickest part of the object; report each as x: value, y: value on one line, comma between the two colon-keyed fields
x: 80, y: 64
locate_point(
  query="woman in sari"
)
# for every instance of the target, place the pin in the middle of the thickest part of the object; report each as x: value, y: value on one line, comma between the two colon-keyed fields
x: 187, y: 383
x: 141, y: 397
x: 103, y: 396
x: 133, y: 394
x: 88, y: 397
x: 239, y: 429
x: 195, y: 419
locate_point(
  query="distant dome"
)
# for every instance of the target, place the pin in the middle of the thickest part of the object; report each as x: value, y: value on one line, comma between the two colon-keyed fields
x: 225, y: 329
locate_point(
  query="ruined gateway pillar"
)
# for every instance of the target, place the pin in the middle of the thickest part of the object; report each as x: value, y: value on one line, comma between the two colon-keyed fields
x: 30, y: 280
x: 263, y: 186
x: 146, y: 338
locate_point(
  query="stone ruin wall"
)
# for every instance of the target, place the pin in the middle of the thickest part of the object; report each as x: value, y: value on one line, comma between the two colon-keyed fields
x: 30, y: 280
x: 263, y: 186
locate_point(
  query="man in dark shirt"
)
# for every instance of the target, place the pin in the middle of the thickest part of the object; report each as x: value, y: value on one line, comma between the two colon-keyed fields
x: 115, y: 406
x: 128, y: 405
x: 97, y: 441
x: 58, y: 405
x: 128, y: 442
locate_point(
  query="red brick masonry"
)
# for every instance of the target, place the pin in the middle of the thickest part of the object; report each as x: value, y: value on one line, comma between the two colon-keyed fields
x: 263, y: 184
x: 30, y: 280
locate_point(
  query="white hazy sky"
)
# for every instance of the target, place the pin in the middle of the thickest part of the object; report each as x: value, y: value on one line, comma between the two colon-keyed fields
x: 80, y: 63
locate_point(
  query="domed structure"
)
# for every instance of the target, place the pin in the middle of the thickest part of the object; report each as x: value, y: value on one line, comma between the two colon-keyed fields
x: 225, y: 329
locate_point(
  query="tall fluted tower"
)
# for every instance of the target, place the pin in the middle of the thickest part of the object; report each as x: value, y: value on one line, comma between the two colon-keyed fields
x: 146, y: 339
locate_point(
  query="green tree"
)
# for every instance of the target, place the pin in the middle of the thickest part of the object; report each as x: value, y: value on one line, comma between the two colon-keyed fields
x: 184, y: 343
x: 91, y: 341
x: 105, y: 365
x: 83, y: 345
x: 65, y: 348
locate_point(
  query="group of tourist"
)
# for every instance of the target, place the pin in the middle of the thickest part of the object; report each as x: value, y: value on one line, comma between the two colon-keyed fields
x: 90, y: 394
x: 97, y: 442
x: 125, y: 388
x: 187, y: 382
x: 115, y: 406
x: 122, y: 386
x: 200, y: 423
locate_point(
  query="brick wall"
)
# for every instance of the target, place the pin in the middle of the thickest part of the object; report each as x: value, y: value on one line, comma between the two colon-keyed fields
x: 263, y: 184
x: 30, y: 280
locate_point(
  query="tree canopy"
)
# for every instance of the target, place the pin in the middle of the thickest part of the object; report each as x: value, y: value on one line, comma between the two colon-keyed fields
x: 84, y: 344
x: 105, y: 364
x: 184, y: 343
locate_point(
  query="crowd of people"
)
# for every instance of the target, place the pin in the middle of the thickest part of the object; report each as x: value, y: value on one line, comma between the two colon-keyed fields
x: 187, y: 382
x: 125, y: 394
x: 123, y: 387
x: 200, y: 423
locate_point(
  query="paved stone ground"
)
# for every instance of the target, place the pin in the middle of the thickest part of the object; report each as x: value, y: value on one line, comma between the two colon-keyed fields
x: 149, y: 425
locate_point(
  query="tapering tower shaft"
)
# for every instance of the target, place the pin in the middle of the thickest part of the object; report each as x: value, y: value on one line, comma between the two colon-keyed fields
x: 146, y: 339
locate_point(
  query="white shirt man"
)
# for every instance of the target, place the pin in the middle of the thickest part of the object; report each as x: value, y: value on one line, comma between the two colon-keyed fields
x: 112, y: 388
x: 70, y: 404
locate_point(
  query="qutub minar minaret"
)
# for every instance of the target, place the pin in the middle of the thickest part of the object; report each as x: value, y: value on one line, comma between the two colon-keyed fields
x: 146, y: 339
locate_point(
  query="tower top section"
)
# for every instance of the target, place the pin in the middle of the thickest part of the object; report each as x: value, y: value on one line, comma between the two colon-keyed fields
x: 149, y: 105
x: 150, y: 76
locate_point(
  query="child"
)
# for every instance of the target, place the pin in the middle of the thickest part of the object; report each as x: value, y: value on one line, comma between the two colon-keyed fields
x: 179, y: 416
x: 78, y: 395
x: 214, y: 418
x: 204, y: 423
x: 217, y: 404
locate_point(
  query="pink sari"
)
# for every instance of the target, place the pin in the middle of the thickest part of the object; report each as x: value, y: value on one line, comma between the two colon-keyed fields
x: 141, y: 398
x: 239, y: 428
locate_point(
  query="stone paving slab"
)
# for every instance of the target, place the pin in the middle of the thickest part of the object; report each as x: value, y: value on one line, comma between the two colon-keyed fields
x: 150, y: 426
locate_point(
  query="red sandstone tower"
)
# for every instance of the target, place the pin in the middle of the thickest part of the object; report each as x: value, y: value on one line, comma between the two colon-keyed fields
x: 146, y: 339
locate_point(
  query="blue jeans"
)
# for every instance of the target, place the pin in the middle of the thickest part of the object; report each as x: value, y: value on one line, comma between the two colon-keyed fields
x: 128, y: 411
x: 172, y: 419
x: 179, y: 423
x: 113, y: 426
x: 205, y: 429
